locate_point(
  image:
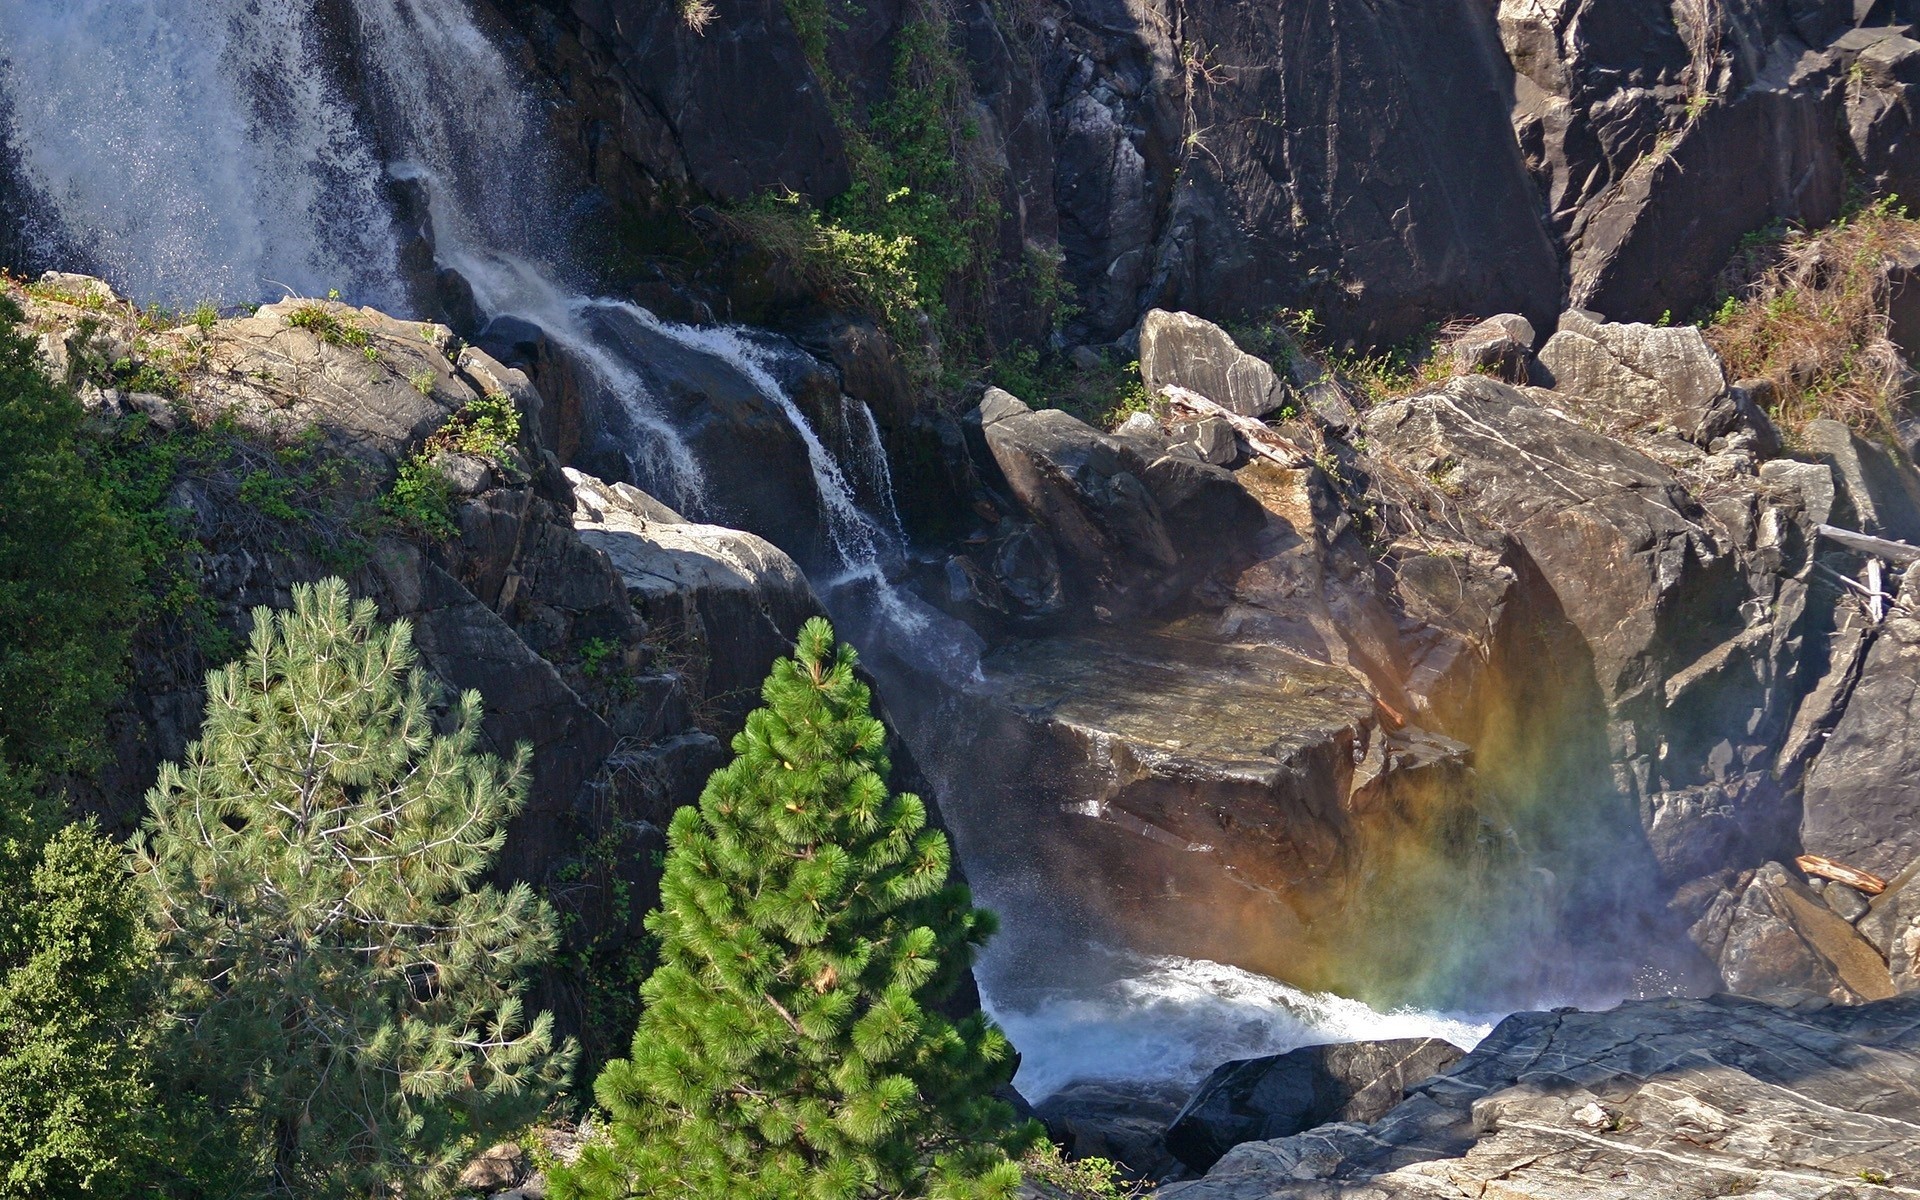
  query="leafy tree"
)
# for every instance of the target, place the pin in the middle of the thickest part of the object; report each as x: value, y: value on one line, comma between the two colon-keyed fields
x: 789, y: 1047
x: 346, y: 993
x: 68, y: 576
x: 73, y: 958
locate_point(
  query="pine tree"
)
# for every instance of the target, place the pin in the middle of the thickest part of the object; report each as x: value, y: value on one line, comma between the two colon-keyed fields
x: 346, y: 994
x: 789, y: 1048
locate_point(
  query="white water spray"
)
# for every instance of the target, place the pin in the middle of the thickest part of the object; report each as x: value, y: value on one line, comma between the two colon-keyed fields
x: 196, y: 151
x: 1172, y: 1020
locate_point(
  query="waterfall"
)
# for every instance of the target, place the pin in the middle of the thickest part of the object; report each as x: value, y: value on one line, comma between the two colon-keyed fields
x: 196, y: 151
x: 222, y: 150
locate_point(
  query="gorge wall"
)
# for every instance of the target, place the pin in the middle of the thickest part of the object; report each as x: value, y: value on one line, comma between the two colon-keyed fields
x: 1527, y: 685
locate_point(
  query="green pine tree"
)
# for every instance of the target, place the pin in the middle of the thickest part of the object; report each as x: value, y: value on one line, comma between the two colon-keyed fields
x: 789, y: 1047
x: 346, y: 993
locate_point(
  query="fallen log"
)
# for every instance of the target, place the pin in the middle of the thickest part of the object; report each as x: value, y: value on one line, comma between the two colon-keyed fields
x: 1899, y: 553
x: 1864, y: 882
x: 1260, y: 439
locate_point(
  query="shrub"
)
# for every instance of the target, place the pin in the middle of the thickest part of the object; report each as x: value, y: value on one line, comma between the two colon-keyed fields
x: 789, y: 1047
x: 68, y: 575
x: 335, y: 329
x: 73, y: 1042
x: 421, y: 499
x: 345, y: 996
x: 1809, y: 312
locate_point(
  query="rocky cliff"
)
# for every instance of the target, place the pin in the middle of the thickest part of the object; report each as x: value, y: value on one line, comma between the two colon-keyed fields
x: 1385, y: 168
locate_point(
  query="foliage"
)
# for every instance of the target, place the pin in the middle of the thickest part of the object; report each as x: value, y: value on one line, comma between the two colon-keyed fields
x: 1057, y: 1178
x: 421, y: 499
x: 333, y: 328
x: 789, y: 1046
x: 73, y: 958
x: 1102, y: 395
x: 68, y: 572
x: 1808, y: 311
x: 908, y: 242
x: 343, y: 995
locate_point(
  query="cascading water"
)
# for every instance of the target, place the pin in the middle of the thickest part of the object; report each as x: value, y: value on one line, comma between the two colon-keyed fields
x: 215, y: 150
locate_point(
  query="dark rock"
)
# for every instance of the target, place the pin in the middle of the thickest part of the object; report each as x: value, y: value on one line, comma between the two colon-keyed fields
x: 1892, y: 926
x: 1862, y: 804
x: 1849, y: 904
x: 1883, y: 107
x: 1350, y: 191
x: 1281, y: 1095
x: 1632, y: 558
x: 1654, y: 1098
x: 1121, y: 1122
x: 467, y: 646
x: 1212, y: 441
x: 1657, y: 145
x: 1783, y: 944
x: 1086, y: 490
x: 1881, y: 488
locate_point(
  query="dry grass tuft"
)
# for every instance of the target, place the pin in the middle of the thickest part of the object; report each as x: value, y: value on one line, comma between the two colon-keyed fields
x: 1811, y: 316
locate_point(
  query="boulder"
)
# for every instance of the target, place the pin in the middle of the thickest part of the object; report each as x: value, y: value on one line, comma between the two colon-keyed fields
x: 1622, y: 377
x: 1280, y: 1095
x: 1501, y: 346
x: 1122, y: 1122
x: 1862, y: 800
x: 1892, y: 926
x: 733, y: 599
x: 1181, y: 350
x: 1629, y: 555
x: 1086, y: 489
x: 1668, y: 1098
x: 1785, y: 945
x: 1880, y: 488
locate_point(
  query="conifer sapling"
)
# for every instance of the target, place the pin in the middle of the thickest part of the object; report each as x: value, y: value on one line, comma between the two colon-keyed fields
x: 790, y: 1047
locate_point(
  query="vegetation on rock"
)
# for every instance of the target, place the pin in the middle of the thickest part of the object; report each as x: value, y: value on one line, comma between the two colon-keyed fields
x: 790, y: 1045
x: 343, y: 992
x: 1808, y: 311
x: 68, y: 574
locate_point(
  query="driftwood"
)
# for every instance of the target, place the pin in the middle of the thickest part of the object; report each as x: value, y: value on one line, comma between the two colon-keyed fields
x: 1864, y: 882
x: 1898, y: 553
x: 1260, y: 439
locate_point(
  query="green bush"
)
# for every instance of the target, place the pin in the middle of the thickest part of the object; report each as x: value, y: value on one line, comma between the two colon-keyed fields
x: 74, y: 956
x: 790, y: 1047
x: 69, y: 578
x: 345, y: 989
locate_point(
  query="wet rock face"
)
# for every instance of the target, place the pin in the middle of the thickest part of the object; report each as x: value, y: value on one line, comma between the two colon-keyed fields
x: 1655, y: 1098
x: 1259, y: 1099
